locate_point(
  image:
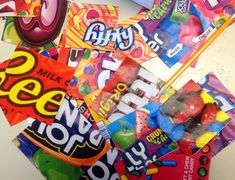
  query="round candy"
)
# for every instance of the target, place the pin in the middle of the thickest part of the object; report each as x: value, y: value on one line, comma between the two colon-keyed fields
x: 85, y: 89
x: 209, y: 114
x: 206, y: 98
x: 177, y: 133
x: 74, y: 81
x: 215, y: 127
x: 204, y: 139
x: 221, y: 116
x: 88, y: 69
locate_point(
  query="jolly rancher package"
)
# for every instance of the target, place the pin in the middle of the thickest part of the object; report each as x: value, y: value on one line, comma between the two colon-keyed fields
x: 61, y: 149
x: 34, y: 85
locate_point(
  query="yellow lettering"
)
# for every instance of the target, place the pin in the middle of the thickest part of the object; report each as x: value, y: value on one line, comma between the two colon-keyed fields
x: 21, y: 87
x: 42, y: 103
x: 29, y: 62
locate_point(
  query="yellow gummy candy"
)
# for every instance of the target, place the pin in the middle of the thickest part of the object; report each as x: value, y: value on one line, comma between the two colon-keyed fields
x: 221, y: 116
x: 204, y: 139
x: 123, y: 177
x: 206, y: 98
x: 152, y: 171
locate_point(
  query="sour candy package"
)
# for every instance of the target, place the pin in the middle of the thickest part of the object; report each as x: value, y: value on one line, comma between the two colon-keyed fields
x: 173, y: 35
x: 34, y: 85
x: 7, y: 7
x: 194, y: 118
x: 68, y: 137
x: 213, y: 86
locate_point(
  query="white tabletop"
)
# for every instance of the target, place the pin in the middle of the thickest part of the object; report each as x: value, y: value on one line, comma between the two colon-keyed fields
x: 219, y: 58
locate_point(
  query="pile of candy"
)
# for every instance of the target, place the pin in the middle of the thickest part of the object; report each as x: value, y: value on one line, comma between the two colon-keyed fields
x: 97, y: 112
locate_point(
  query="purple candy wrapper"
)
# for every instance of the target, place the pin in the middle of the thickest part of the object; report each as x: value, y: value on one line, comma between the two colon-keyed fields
x: 213, y: 86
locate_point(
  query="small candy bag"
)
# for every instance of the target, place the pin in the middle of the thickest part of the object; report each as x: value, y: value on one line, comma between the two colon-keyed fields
x: 193, y: 120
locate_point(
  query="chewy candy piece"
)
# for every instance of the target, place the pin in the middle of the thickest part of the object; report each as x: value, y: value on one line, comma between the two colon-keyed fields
x: 226, y: 101
x: 40, y: 87
x: 54, y: 169
x: 74, y: 135
x: 192, y: 120
x: 146, y: 3
x: 142, y: 126
x: 180, y: 13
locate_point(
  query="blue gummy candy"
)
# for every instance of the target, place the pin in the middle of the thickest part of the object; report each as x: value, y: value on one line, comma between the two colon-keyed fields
x: 215, y: 127
x: 177, y: 133
x: 164, y: 123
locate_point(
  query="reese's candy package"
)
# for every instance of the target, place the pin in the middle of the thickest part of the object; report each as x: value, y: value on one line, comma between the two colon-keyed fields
x: 34, y: 85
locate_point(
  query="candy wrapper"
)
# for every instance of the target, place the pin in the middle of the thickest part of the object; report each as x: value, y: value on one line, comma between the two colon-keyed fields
x: 38, y: 31
x: 7, y: 7
x: 93, y: 72
x: 58, y: 150
x: 104, y: 167
x: 34, y: 85
x: 173, y: 40
x: 140, y: 51
x: 216, y: 11
x: 177, y: 165
x: 83, y: 18
x: 213, y: 86
x: 131, y: 86
x: 20, y: 8
x: 194, y: 118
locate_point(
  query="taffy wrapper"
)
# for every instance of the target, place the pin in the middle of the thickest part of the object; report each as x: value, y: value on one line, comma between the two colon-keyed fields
x: 173, y: 41
x: 41, y: 32
x: 34, y: 85
x: 214, y: 87
x: 193, y: 118
x: 216, y: 11
x: 81, y: 16
x: 131, y: 86
x: 20, y: 8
